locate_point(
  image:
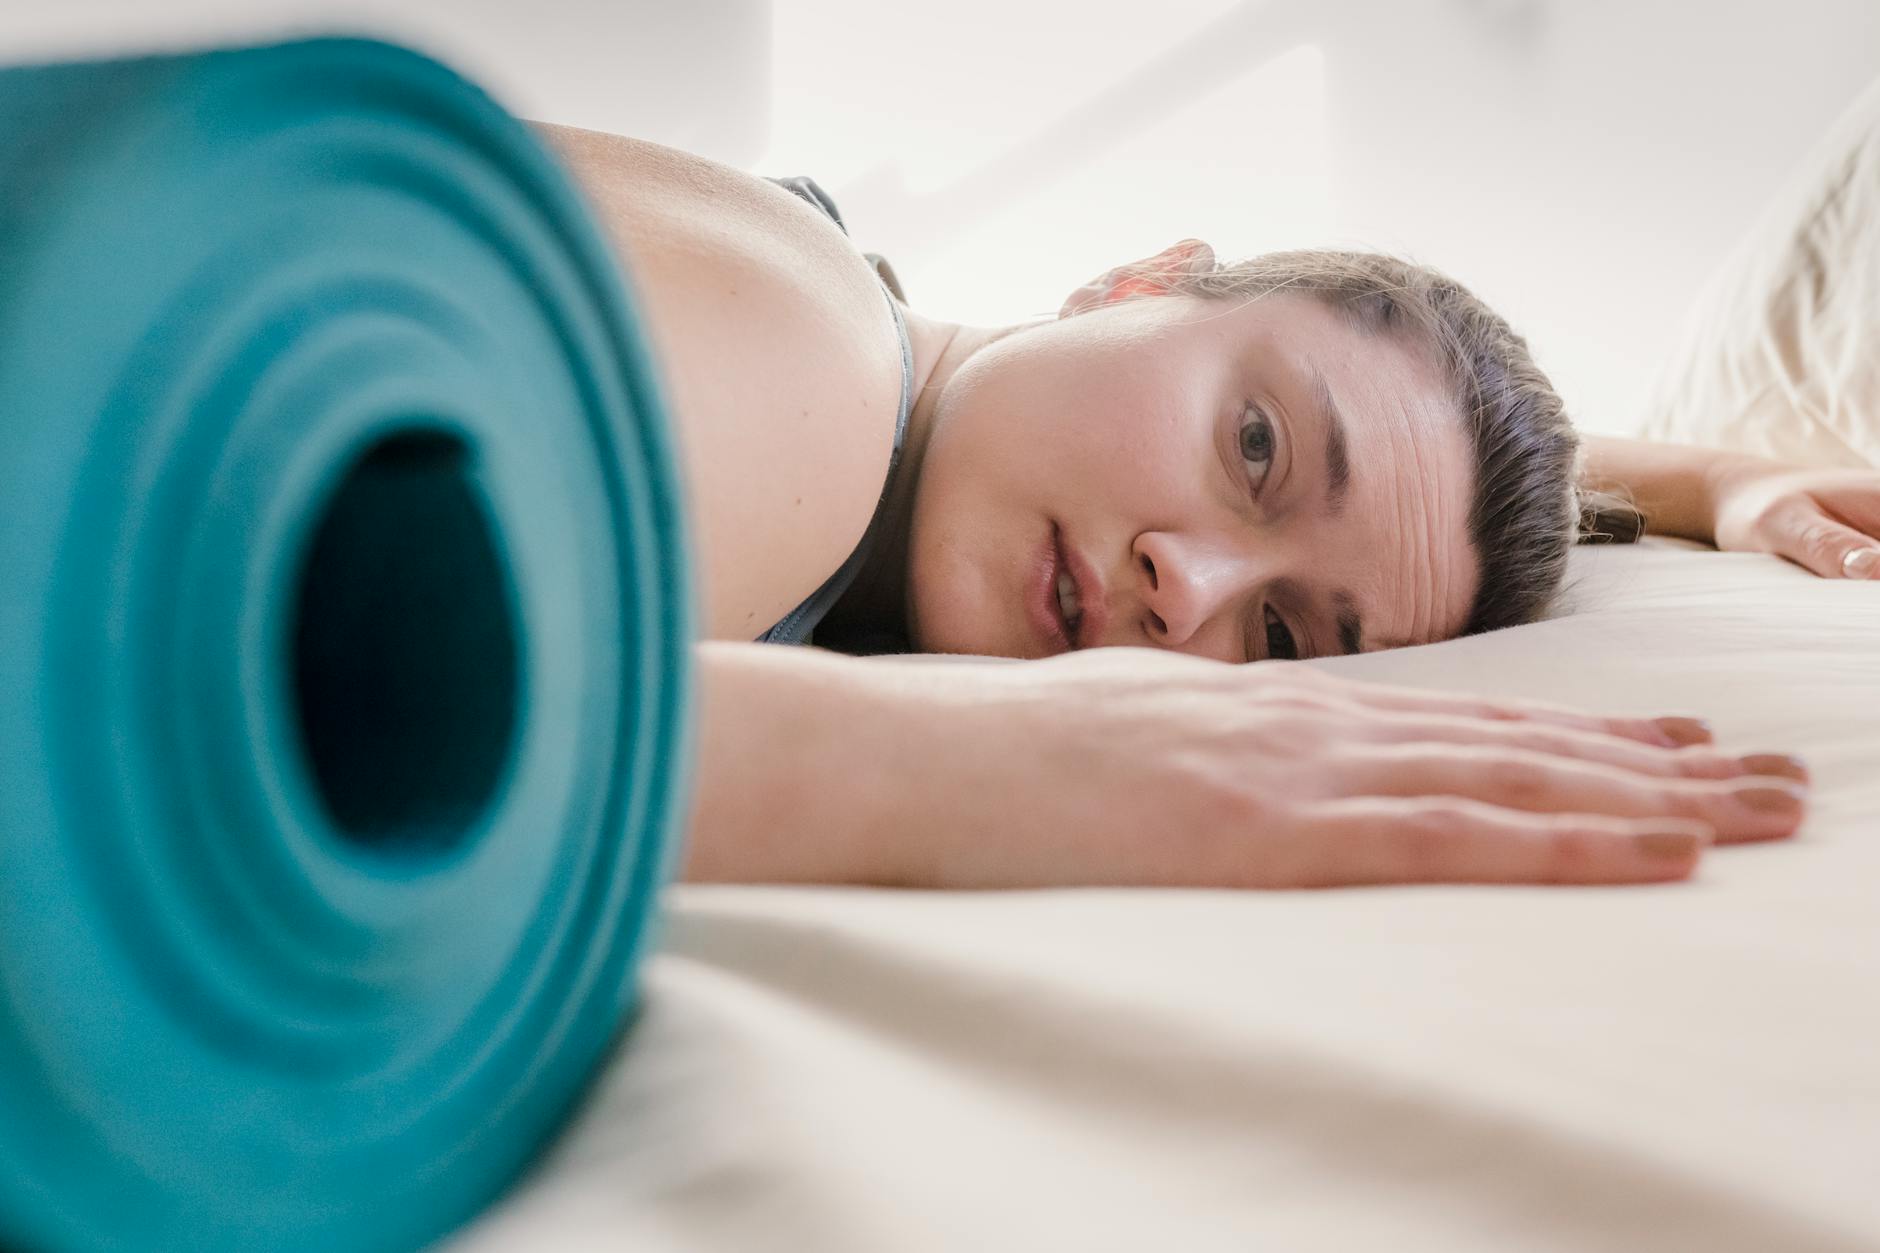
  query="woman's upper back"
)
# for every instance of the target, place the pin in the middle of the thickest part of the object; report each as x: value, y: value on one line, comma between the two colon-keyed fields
x: 782, y: 368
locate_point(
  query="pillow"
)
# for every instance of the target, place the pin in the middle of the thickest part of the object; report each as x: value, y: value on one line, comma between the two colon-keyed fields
x: 1781, y: 354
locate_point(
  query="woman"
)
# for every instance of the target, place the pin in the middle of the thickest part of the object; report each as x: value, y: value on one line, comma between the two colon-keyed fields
x: 1194, y: 462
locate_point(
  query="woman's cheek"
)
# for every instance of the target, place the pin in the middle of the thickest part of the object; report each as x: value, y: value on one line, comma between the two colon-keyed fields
x: 946, y: 596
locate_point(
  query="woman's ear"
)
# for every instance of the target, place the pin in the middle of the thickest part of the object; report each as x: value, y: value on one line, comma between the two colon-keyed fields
x: 1155, y: 276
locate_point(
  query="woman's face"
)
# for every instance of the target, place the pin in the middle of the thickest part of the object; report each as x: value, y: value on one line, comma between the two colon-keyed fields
x: 1235, y: 479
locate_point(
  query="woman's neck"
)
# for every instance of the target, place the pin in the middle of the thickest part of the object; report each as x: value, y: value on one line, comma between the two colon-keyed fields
x: 879, y: 601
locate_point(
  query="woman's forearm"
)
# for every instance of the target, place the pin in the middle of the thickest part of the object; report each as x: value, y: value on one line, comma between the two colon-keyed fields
x: 1675, y: 486
x: 815, y: 767
x: 1137, y: 766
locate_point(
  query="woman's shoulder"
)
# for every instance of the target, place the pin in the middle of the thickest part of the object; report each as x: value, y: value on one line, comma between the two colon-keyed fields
x: 780, y: 359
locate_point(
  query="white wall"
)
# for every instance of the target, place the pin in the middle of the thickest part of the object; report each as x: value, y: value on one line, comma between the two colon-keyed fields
x: 1582, y: 163
x: 1585, y: 163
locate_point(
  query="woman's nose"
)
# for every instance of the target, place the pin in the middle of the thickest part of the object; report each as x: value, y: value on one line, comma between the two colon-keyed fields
x: 1185, y: 584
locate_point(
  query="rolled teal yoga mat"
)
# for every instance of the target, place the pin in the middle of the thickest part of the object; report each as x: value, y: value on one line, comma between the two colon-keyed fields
x: 344, y: 728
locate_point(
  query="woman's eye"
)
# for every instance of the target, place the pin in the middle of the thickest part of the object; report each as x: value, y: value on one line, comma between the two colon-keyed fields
x: 1256, y: 447
x: 1280, y: 644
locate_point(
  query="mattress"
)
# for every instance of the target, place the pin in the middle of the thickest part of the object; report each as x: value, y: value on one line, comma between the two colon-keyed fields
x: 1691, y: 1066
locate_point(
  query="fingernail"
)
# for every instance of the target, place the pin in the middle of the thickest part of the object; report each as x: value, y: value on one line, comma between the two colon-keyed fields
x: 1685, y: 731
x: 1860, y: 563
x: 1782, y: 799
x: 1775, y: 764
x: 1676, y: 844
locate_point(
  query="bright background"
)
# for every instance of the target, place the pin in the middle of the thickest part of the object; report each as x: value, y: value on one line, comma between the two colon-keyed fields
x: 1583, y: 164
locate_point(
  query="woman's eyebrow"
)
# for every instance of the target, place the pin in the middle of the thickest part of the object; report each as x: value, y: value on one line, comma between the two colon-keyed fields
x: 1337, y: 453
x: 1350, y: 625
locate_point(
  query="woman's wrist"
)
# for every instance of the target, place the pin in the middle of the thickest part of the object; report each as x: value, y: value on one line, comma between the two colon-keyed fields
x: 1680, y: 489
x: 814, y: 767
x: 1730, y: 472
x: 782, y: 791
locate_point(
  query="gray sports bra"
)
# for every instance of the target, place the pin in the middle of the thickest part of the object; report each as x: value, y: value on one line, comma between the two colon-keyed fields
x: 799, y: 624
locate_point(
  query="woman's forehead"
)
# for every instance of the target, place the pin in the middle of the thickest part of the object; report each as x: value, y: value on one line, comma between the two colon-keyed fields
x: 1327, y: 321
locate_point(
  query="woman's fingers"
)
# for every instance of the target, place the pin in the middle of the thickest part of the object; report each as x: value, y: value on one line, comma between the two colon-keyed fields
x: 1810, y: 538
x: 1451, y: 840
x: 1699, y: 761
x: 1738, y: 809
x: 1666, y: 732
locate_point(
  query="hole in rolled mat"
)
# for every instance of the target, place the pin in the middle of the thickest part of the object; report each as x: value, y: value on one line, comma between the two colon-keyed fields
x: 405, y: 650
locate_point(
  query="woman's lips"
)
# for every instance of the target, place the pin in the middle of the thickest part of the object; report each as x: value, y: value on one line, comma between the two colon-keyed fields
x: 1093, y: 606
x: 1056, y: 556
x: 1042, y: 600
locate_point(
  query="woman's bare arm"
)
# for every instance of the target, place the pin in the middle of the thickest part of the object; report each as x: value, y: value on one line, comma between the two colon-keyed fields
x: 1135, y: 766
x: 1676, y: 487
x: 792, y: 785
x: 1827, y: 520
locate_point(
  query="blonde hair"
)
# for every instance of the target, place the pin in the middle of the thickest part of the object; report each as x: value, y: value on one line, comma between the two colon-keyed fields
x: 1526, y: 513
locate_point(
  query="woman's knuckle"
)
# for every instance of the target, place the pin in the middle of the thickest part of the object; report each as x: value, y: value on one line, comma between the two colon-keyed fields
x: 1425, y: 830
x: 1685, y: 798
x: 1528, y: 738
x: 1517, y: 778
x: 1633, y: 729
x: 1244, y: 808
x: 1819, y: 539
x: 1704, y: 763
x: 1573, y: 853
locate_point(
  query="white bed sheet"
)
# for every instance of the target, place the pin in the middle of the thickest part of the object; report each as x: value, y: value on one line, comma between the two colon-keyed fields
x: 1683, y: 1067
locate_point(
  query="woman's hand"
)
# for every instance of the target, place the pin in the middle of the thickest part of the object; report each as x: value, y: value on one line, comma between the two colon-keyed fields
x: 1136, y: 766
x: 1827, y: 521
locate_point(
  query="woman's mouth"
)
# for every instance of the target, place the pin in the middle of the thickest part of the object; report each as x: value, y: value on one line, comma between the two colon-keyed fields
x: 1052, y: 597
x: 1068, y: 607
